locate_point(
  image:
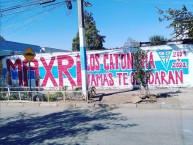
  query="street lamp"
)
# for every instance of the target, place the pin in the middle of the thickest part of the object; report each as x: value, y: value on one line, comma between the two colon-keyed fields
x: 82, y: 43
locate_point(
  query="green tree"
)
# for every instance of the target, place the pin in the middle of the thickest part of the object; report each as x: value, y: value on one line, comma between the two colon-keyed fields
x: 94, y: 41
x: 141, y: 75
x: 157, y: 40
x: 1, y: 38
x: 181, y: 21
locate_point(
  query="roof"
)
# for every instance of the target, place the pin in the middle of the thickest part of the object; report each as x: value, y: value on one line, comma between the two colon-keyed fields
x: 51, y: 50
x: 10, y: 48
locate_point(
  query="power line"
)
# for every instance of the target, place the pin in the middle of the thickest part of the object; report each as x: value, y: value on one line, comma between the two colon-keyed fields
x: 153, y: 1
x: 18, y: 19
x: 18, y: 26
x: 25, y: 5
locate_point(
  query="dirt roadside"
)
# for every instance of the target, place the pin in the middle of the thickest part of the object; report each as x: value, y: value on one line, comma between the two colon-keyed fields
x: 171, y: 96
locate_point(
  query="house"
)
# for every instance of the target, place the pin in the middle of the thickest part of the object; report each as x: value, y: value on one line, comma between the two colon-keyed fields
x: 11, y: 48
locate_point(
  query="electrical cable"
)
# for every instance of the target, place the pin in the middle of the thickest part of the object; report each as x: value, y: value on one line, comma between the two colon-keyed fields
x: 19, y: 6
x: 31, y: 19
x: 17, y: 15
x: 20, y: 11
x: 154, y: 1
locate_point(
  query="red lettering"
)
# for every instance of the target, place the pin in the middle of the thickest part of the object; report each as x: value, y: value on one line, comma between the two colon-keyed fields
x: 171, y: 78
x: 106, y: 80
x: 163, y: 75
x: 132, y: 78
x: 106, y: 67
x: 123, y: 61
x: 179, y: 76
x: 92, y: 62
x: 78, y: 70
x: 13, y: 66
x: 26, y: 71
x: 97, y: 65
x: 69, y: 62
x: 111, y: 62
x: 152, y: 63
x: 157, y: 79
x: 111, y: 81
x: 151, y: 79
x: 116, y: 61
x: 99, y: 78
x: 125, y: 79
x: 48, y: 69
x: 119, y: 76
x: 129, y: 61
x: 93, y: 81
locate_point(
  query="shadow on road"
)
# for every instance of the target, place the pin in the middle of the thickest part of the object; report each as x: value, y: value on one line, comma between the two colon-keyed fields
x: 168, y: 94
x: 66, y: 127
x: 100, y: 96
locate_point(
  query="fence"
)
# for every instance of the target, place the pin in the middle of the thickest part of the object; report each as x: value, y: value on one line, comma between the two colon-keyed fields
x: 41, y: 94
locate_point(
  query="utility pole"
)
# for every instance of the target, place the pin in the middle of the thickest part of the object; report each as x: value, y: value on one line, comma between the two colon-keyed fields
x: 82, y: 48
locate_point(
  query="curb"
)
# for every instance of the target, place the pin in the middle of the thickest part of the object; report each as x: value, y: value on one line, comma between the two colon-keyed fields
x: 70, y: 105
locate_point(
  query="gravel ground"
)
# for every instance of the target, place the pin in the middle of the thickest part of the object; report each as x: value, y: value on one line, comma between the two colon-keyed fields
x: 169, y: 95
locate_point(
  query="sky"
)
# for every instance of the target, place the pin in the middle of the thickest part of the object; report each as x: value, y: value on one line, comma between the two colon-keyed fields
x: 55, y: 26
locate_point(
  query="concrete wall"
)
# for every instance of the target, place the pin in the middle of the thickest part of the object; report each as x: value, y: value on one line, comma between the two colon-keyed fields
x: 171, y: 65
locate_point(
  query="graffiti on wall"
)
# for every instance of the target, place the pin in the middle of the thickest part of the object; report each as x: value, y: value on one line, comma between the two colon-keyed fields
x: 105, y: 69
x: 171, y: 68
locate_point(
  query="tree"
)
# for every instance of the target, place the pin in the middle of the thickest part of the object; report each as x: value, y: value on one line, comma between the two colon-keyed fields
x: 131, y: 43
x: 1, y: 38
x: 182, y: 21
x: 141, y: 75
x: 139, y: 58
x: 94, y: 41
x: 157, y: 40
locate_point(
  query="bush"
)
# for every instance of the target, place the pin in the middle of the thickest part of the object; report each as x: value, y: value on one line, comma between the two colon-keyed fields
x: 54, y: 97
x: 2, y: 97
x: 77, y: 93
x: 13, y: 97
x: 59, y: 94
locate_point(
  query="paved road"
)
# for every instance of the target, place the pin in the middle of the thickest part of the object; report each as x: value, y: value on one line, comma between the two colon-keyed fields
x: 95, y: 126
